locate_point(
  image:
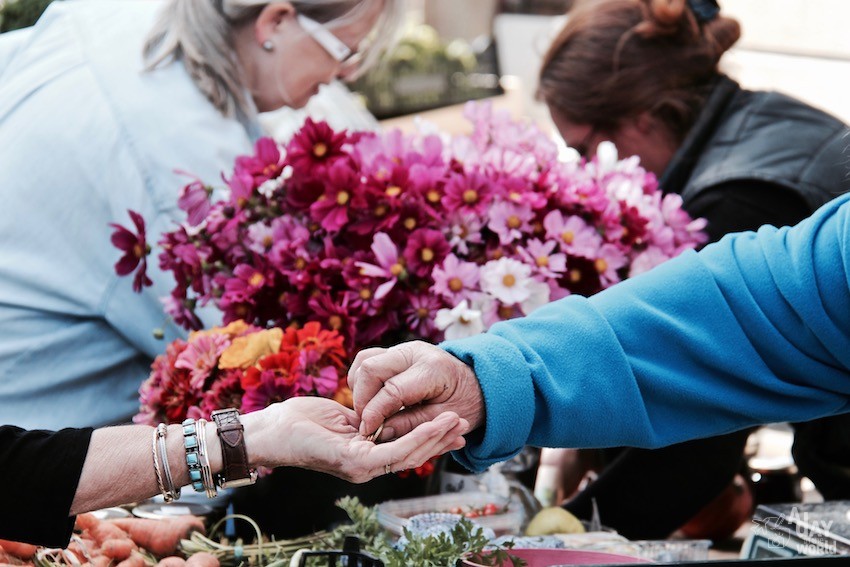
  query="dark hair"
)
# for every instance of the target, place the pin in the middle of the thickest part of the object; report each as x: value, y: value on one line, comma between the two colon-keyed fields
x: 615, y: 59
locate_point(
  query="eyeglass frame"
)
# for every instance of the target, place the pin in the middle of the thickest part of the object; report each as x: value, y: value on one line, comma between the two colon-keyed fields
x: 334, y: 46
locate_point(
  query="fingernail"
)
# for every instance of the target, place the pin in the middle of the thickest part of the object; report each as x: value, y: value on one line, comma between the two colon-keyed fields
x: 363, y: 429
x: 388, y: 434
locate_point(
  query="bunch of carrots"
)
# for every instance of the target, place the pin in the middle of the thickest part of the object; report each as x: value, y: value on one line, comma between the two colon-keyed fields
x: 130, y: 542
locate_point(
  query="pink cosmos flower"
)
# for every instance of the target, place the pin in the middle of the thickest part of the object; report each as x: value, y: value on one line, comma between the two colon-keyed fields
x: 540, y: 256
x: 575, y: 236
x: 455, y: 280
x: 315, y: 147
x: 426, y: 249
x: 469, y: 193
x: 420, y: 314
x: 201, y: 357
x: 260, y: 237
x: 646, y: 260
x: 195, y: 201
x: 609, y: 259
x: 390, y: 267
x: 136, y: 250
x: 510, y: 221
x: 331, y: 209
x: 465, y: 231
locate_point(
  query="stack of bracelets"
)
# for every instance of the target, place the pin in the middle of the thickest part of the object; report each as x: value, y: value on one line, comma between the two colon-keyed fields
x: 235, y: 469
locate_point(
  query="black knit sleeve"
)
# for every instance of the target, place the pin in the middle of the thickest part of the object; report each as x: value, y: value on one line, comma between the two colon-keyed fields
x: 39, y: 473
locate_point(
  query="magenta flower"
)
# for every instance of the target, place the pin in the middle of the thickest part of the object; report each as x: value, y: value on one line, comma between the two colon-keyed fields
x: 195, y: 201
x: 182, y: 311
x: 609, y: 259
x: 425, y: 250
x: 135, y: 248
x: 420, y: 314
x: 465, y: 231
x: 331, y: 208
x: 455, y: 280
x: 470, y: 193
x: 315, y: 147
x: 265, y: 164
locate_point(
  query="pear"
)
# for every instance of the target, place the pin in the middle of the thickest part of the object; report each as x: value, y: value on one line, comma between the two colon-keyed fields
x: 554, y: 520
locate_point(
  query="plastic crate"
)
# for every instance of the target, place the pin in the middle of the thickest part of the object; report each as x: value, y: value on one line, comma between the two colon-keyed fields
x: 393, y: 514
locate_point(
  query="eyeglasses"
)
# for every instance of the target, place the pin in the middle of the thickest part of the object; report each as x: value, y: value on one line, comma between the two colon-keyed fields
x: 335, y: 47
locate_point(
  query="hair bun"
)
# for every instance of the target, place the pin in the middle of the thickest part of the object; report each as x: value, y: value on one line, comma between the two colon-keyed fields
x: 667, y: 12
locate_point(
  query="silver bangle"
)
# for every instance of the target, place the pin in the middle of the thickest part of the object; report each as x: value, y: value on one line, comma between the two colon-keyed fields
x: 206, y: 471
x: 159, y: 482
x: 171, y: 492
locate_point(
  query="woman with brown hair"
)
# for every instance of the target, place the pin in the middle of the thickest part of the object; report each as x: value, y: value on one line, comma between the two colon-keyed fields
x: 644, y: 75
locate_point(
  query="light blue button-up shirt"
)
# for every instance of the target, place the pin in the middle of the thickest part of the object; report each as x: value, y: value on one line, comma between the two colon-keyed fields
x: 85, y: 134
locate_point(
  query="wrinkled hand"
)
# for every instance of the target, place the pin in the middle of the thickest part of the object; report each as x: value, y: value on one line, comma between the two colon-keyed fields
x: 320, y: 434
x: 411, y: 384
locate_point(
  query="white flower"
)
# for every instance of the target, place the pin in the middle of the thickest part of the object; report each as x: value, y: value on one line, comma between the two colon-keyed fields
x: 460, y: 322
x: 538, y: 298
x: 268, y: 187
x: 606, y: 155
x: 507, y: 280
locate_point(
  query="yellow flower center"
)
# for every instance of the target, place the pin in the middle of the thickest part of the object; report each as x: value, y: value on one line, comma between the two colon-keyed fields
x: 514, y: 222
x: 506, y: 312
x: 380, y: 210
x: 575, y: 276
x: 568, y: 237
x: 300, y: 264
x: 335, y: 322
x: 433, y: 196
x: 342, y: 198
x: 268, y: 241
x: 600, y: 265
x: 320, y: 150
x: 365, y: 294
x: 394, y: 191
x: 138, y: 251
x: 396, y: 269
x: 257, y: 279
x: 542, y: 261
x: 427, y: 255
x: 498, y: 253
x: 422, y: 313
x: 470, y: 196
x: 509, y: 280
x: 514, y: 196
x: 455, y: 284
x: 410, y: 223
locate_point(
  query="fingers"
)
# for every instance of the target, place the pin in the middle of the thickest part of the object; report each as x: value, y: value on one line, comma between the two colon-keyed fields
x: 363, y: 355
x: 406, y: 421
x: 371, y: 373
x: 413, y: 386
x: 427, y: 440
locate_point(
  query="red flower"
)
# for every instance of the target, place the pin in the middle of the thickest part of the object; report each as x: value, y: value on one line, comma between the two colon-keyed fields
x: 426, y: 249
x: 316, y: 146
x: 135, y: 248
x: 275, y: 380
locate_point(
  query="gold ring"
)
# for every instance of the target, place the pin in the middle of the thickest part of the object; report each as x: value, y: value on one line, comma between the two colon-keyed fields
x: 373, y: 438
x: 387, y: 468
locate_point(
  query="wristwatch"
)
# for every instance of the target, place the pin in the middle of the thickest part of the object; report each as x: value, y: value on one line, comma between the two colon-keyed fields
x: 235, y: 470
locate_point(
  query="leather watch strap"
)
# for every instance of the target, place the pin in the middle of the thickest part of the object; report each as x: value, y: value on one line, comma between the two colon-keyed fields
x: 235, y: 469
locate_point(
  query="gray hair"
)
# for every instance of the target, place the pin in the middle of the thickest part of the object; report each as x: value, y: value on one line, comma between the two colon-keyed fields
x: 199, y: 33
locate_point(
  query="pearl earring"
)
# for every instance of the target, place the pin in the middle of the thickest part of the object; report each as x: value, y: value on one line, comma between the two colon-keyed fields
x: 268, y: 45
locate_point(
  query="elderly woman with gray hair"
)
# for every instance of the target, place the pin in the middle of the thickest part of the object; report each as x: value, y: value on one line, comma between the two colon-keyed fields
x: 101, y: 103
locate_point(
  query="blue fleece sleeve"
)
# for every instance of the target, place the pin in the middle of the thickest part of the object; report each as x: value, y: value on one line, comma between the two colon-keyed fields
x: 753, y: 329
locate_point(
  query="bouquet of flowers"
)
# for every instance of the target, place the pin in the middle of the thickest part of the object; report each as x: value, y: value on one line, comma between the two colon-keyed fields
x: 242, y: 366
x: 392, y: 236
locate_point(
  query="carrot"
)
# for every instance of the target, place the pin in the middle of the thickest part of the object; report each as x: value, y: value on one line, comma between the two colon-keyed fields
x: 118, y: 549
x: 17, y: 549
x: 86, y: 522
x: 203, y: 559
x: 160, y: 537
x: 101, y: 561
x: 135, y: 560
x: 105, y: 531
x: 171, y: 562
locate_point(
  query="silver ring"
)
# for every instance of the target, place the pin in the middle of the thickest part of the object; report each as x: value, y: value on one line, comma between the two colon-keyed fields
x: 387, y: 468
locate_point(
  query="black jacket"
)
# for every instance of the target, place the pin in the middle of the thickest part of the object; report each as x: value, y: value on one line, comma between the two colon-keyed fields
x: 39, y: 473
x: 756, y: 158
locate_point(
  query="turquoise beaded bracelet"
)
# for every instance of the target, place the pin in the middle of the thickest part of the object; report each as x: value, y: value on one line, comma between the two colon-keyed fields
x: 193, y: 458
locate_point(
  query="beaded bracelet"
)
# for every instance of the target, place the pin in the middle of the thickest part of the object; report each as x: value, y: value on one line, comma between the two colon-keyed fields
x: 170, y: 492
x: 193, y: 458
x: 206, y: 471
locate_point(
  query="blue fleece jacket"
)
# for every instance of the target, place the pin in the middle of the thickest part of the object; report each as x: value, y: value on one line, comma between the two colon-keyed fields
x: 753, y: 329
